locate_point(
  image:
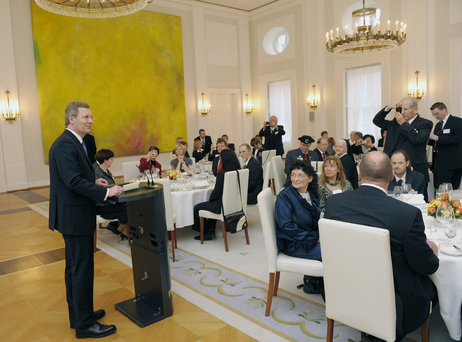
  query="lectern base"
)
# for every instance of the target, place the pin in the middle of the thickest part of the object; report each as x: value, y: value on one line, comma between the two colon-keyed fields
x: 139, y: 312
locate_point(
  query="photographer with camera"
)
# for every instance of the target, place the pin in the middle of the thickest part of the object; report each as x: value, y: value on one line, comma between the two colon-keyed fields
x: 273, y: 135
x: 407, y: 131
x: 150, y: 163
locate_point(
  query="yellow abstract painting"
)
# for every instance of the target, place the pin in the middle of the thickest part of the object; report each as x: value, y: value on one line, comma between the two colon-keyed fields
x: 128, y: 69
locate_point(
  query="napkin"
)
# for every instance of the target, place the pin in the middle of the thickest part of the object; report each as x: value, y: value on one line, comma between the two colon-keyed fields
x: 416, y: 199
x: 200, y: 184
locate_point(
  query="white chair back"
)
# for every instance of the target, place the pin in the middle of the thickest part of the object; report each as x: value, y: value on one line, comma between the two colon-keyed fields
x: 268, y: 225
x: 267, y: 172
x: 167, y: 202
x: 279, y: 175
x: 130, y: 170
x: 231, y: 197
x: 358, y: 277
x: 244, y: 183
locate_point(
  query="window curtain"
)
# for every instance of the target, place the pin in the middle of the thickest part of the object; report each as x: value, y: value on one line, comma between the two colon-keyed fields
x: 364, y: 99
x: 279, y: 106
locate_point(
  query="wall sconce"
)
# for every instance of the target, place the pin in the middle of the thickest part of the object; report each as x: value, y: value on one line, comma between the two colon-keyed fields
x: 313, y: 101
x: 248, y: 106
x: 204, y: 108
x: 10, y: 115
x: 416, y: 92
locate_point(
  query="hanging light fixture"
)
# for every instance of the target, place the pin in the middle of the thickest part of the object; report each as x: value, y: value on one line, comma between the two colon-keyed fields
x: 204, y: 108
x: 416, y: 92
x: 248, y: 106
x: 10, y: 115
x: 313, y: 101
x: 365, y: 39
x: 93, y: 8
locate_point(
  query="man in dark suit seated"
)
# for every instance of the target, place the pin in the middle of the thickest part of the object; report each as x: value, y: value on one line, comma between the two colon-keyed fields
x: 403, y: 174
x: 73, y: 191
x: 257, y: 149
x: 349, y: 167
x: 302, y: 153
x: 230, y: 145
x: 216, y: 165
x: 273, y: 135
x: 321, y: 150
x: 255, y: 173
x: 206, y: 141
x: 413, y: 257
x: 446, y: 140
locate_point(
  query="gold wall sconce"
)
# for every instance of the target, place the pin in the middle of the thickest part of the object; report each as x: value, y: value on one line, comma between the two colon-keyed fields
x: 313, y: 101
x: 10, y: 115
x: 248, y: 106
x: 416, y: 92
x: 204, y: 108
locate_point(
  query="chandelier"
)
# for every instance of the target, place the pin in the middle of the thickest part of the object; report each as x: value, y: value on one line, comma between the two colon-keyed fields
x: 93, y: 8
x: 365, y: 39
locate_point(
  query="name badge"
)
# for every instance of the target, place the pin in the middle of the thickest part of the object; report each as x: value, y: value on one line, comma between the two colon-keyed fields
x: 446, y: 131
x: 339, y: 191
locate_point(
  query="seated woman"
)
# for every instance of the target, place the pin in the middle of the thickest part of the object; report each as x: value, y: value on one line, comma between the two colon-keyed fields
x: 297, y: 213
x: 181, y: 163
x: 110, y: 209
x: 198, y: 153
x: 229, y: 162
x: 150, y: 162
x: 332, y: 180
x: 257, y: 150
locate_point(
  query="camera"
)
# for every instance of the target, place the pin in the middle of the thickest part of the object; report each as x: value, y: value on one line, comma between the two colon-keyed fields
x: 153, y: 154
x: 398, y: 109
x: 267, y: 123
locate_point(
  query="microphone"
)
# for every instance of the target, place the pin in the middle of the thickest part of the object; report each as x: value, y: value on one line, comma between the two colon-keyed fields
x: 144, y: 173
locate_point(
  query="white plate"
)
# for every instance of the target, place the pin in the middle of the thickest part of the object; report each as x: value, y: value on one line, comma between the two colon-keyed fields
x: 450, y: 250
x: 201, y: 187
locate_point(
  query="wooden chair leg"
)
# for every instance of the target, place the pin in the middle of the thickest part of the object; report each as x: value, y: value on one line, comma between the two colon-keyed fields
x: 363, y: 334
x: 225, y: 237
x: 269, y: 297
x: 247, y: 236
x: 202, y: 230
x: 173, y: 245
x: 330, y: 330
x: 276, y: 284
x: 174, y: 235
x: 426, y: 330
x: 128, y: 236
x: 94, y: 243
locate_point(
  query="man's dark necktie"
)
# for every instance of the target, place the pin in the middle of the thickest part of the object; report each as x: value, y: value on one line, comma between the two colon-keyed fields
x: 400, y: 182
x: 84, y: 147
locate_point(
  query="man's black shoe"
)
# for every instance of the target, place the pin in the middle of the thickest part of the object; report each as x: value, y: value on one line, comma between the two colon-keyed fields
x: 97, y: 330
x: 98, y: 314
x: 207, y: 237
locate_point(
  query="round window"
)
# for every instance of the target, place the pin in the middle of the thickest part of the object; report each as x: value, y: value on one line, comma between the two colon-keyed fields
x: 276, y: 40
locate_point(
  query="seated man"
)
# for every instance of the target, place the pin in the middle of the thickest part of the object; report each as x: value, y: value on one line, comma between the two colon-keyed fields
x: 403, y: 174
x: 230, y: 145
x: 413, y: 257
x: 258, y: 149
x: 349, y: 167
x: 255, y: 173
x: 357, y: 147
x: 321, y: 151
x: 216, y: 165
x: 302, y: 153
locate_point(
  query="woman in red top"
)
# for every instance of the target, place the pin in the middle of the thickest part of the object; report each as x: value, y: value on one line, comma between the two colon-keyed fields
x: 150, y: 163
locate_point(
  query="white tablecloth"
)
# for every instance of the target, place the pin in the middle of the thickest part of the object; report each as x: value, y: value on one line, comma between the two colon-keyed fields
x: 183, y: 203
x: 448, y: 279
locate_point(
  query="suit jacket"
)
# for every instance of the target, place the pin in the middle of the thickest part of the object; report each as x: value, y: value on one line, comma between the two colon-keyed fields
x: 411, y: 138
x: 412, y: 259
x: 273, y: 141
x: 212, y: 155
x: 208, y: 143
x: 259, y: 153
x: 416, y: 180
x: 215, y: 164
x: 449, y: 144
x: 216, y: 197
x: 91, y: 147
x: 72, y: 188
x: 319, y: 154
x: 350, y: 171
x: 297, y: 153
x: 255, y: 180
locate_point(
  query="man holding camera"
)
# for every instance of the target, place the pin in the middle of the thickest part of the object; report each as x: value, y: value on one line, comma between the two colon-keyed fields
x: 273, y: 135
x: 408, y: 132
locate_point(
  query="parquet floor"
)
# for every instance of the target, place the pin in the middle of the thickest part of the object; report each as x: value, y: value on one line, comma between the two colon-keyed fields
x: 33, y: 305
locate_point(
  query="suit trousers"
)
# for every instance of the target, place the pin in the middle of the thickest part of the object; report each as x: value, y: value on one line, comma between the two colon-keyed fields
x: 79, y: 275
x: 442, y: 175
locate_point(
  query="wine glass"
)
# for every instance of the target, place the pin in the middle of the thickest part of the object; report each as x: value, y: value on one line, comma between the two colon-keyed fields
x: 407, y: 192
x: 449, y: 223
x: 397, y: 191
x: 448, y: 188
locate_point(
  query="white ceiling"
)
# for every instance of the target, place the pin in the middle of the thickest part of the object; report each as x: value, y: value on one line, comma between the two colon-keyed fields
x: 242, y: 5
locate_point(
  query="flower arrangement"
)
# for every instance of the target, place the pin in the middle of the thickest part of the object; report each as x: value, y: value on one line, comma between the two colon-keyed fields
x: 445, y: 198
x: 173, y: 174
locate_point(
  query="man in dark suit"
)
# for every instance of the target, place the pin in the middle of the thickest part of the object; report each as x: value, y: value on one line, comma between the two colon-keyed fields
x: 273, y: 135
x: 413, y: 257
x: 321, y: 150
x: 230, y: 145
x: 408, y: 132
x: 216, y: 167
x: 447, y: 147
x: 255, y: 173
x: 349, y: 167
x: 257, y: 149
x: 403, y: 174
x: 206, y: 141
x: 303, y: 152
x: 73, y: 191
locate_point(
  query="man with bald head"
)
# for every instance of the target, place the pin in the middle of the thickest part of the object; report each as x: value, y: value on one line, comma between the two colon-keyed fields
x: 413, y: 257
x: 349, y: 167
x: 273, y: 135
x: 408, y: 132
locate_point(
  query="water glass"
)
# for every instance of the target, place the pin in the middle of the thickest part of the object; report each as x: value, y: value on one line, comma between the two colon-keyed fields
x: 397, y: 191
x: 407, y: 192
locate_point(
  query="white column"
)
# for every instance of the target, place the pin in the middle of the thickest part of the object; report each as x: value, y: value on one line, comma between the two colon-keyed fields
x: 244, y: 69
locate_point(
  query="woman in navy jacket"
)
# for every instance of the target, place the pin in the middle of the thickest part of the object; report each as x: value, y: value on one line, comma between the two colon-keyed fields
x: 297, y: 213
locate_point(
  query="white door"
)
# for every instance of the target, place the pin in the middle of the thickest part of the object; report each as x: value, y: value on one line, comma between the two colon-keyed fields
x: 225, y: 118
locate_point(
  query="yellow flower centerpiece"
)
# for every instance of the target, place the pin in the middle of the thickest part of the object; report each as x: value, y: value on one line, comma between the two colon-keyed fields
x: 445, y: 198
x: 173, y: 174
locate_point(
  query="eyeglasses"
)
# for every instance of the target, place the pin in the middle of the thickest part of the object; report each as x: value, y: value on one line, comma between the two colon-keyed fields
x: 298, y: 176
x: 436, y: 114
